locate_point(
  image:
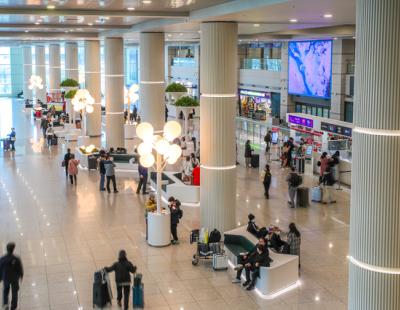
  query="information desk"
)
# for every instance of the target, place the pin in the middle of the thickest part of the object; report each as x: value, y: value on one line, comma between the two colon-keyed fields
x: 173, y: 186
x: 281, y: 276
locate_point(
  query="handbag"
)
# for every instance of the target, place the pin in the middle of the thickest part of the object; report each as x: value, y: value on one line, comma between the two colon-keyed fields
x: 63, y: 163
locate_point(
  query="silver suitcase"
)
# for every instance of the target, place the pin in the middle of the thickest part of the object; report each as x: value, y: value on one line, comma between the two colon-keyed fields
x: 220, y: 262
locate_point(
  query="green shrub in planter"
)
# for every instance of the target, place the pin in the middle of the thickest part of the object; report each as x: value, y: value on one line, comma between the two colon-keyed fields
x: 176, y: 88
x: 70, y: 94
x: 69, y: 83
x: 186, y: 101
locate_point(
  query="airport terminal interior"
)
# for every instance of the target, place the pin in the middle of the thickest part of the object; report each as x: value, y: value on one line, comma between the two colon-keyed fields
x: 199, y: 154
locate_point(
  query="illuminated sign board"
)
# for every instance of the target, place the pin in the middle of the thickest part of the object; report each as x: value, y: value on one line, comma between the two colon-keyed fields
x: 307, y: 122
x: 336, y: 129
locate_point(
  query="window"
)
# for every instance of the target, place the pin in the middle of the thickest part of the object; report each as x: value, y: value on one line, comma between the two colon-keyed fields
x: 131, y: 65
x: 5, y: 71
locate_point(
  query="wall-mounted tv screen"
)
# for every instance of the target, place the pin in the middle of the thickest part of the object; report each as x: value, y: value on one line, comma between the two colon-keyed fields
x: 310, y: 68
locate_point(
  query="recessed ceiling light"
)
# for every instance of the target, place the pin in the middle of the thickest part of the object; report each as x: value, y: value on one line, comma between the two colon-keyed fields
x: 26, y: 30
x: 130, y: 9
x: 293, y: 20
x: 335, y: 38
x: 37, y: 23
x: 256, y: 25
x: 51, y: 7
x: 66, y: 31
x: 169, y: 35
x: 90, y: 24
x: 354, y: 37
x: 107, y: 18
x: 146, y: 1
x: 181, y: 34
x: 328, y: 15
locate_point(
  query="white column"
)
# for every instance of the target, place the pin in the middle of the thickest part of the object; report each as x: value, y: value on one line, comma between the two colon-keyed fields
x: 152, y: 86
x: 93, y: 85
x: 27, y: 71
x: 40, y: 67
x: 71, y: 61
x: 54, y: 68
x: 218, y: 66
x: 374, y: 267
x: 114, y: 75
x: 287, y: 103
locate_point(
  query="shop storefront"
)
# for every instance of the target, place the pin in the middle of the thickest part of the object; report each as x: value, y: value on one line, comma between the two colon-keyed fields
x: 254, y: 104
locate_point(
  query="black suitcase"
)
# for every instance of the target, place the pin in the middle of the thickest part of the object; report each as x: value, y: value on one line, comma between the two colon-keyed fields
x: 101, y: 295
x: 302, y: 197
x: 92, y: 163
x: 255, y: 160
x: 54, y: 141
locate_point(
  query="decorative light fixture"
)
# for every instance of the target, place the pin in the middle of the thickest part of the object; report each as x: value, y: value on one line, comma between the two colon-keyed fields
x: 83, y: 102
x: 35, y: 82
x: 166, y: 151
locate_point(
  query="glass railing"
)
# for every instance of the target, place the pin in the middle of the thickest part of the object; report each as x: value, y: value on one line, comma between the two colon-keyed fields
x: 183, y: 61
x: 261, y: 64
x: 350, y: 68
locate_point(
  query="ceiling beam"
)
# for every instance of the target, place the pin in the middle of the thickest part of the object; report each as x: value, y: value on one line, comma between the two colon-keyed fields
x: 65, y: 26
x: 48, y: 35
x: 87, y: 12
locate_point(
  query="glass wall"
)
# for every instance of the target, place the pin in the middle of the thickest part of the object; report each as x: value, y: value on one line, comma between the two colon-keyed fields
x: 5, y: 71
x: 131, y: 65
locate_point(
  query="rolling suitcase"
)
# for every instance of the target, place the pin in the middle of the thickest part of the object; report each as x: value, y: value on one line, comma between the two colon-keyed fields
x: 92, y: 163
x: 302, y: 197
x: 219, y: 262
x: 101, y: 290
x: 316, y: 194
x: 138, y: 296
x: 54, y: 141
x: 255, y: 160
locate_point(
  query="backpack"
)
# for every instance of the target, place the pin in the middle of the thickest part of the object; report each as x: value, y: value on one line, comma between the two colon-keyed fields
x: 215, y: 236
x: 180, y: 213
x: 295, y: 180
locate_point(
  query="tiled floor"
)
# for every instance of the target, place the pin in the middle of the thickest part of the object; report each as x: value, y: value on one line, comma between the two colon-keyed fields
x: 64, y: 233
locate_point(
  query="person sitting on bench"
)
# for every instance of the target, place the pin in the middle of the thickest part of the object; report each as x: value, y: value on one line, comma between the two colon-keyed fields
x: 254, y: 229
x: 259, y: 259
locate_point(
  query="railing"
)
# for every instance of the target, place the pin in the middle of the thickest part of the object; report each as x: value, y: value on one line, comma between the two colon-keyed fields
x: 183, y: 61
x: 261, y: 64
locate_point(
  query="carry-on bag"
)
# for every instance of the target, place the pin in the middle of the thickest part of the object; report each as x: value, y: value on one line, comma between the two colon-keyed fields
x: 54, y: 141
x: 255, y: 160
x: 101, y: 290
x: 316, y: 194
x: 138, y: 296
x: 92, y: 163
x: 220, y: 262
x: 137, y: 280
x: 302, y: 197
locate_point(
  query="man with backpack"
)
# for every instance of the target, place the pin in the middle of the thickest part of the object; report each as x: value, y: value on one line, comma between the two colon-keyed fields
x: 294, y: 181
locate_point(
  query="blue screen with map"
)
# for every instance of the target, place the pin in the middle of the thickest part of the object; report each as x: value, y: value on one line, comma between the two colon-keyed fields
x: 310, y: 68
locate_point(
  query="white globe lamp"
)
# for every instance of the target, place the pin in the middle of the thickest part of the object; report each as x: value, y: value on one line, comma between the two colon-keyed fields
x: 145, y: 131
x: 162, y: 146
x: 147, y: 160
x: 144, y: 149
x: 172, y: 130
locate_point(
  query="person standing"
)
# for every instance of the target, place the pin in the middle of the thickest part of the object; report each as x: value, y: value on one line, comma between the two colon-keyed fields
x: 13, y: 138
x: 176, y: 215
x: 73, y: 168
x: 294, y: 240
x: 134, y: 113
x: 67, y: 157
x: 44, y: 124
x: 248, y: 153
x: 290, y: 145
x: 335, y: 161
x: 323, y: 163
x: 268, y: 140
x: 123, y: 269
x: 328, y: 181
x: 267, y: 180
x: 143, y: 175
x: 110, y: 173
x: 102, y: 170
x: 11, y: 273
x: 294, y: 181
x: 196, y: 175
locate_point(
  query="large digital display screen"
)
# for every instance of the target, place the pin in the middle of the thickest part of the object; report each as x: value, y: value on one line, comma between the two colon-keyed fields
x: 310, y: 68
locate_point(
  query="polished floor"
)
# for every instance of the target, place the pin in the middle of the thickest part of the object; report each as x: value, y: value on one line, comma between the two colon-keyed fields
x: 64, y: 233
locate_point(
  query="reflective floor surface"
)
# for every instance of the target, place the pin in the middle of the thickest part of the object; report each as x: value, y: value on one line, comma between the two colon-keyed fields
x: 64, y: 233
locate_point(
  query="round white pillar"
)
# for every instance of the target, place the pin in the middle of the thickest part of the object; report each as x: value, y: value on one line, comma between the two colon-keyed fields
x: 218, y: 67
x: 27, y: 72
x: 374, y: 256
x: 40, y: 70
x: 93, y: 85
x: 152, y: 86
x: 114, y: 75
x: 71, y: 61
x: 54, y: 68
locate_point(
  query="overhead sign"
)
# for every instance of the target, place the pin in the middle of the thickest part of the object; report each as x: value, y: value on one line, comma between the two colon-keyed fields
x: 297, y: 120
x: 336, y: 129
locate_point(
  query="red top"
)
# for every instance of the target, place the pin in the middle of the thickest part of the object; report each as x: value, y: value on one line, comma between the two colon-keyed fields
x: 196, y: 176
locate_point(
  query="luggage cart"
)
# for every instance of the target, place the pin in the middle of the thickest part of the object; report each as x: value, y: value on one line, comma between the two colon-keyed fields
x: 204, y: 250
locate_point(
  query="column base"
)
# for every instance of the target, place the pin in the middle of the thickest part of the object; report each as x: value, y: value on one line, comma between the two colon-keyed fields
x: 159, y: 229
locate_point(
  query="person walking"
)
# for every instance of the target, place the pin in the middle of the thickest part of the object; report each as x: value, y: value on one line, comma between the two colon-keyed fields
x: 67, y: 157
x: 328, y: 180
x: 143, y: 175
x: 267, y: 180
x: 12, y: 136
x: 44, y: 124
x: 102, y: 170
x: 123, y: 269
x: 73, y: 168
x: 294, y: 240
x: 176, y: 215
x: 110, y: 173
x: 248, y: 153
x: 294, y: 181
x: 11, y: 273
x: 268, y: 140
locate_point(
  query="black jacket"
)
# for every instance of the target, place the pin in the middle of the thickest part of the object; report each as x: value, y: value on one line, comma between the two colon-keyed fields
x: 262, y: 259
x: 252, y: 228
x: 67, y: 157
x: 328, y: 178
x: 176, y: 214
x: 11, y: 269
x: 248, y: 151
x: 123, y: 270
x: 102, y: 168
x: 276, y: 242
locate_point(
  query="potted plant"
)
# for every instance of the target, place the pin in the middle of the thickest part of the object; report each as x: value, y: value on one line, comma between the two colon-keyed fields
x: 69, y: 83
x: 186, y: 101
x: 176, y: 90
x: 187, y: 105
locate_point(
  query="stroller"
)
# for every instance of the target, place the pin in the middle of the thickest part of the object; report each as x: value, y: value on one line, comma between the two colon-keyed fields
x: 205, y: 250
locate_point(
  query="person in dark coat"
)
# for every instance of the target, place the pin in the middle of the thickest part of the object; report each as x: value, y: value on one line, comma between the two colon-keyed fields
x: 247, y: 153
x: 11, y: 272
x: 102, y: 170
x: 176, y: 215
x: 123, y: 269
x: 143, y: 175
x: 67, y: 157
x: 267, y: 180
x: 259, y: 259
